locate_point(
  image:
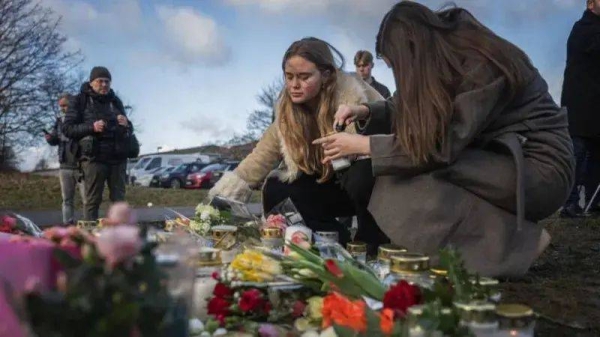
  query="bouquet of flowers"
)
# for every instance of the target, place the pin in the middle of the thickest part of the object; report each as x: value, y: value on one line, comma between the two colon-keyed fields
x: 18, y: 225
x: 340, y: 298
x: 112, y: 285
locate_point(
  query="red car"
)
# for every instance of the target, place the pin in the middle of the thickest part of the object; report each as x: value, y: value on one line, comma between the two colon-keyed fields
x: 209, y: 175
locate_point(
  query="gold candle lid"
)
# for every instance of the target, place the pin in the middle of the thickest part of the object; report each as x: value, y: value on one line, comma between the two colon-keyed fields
x: 514, y: 316
x: 271, y: 233
x: 356, y: 247
x: 485, y: 281
x: 209, y: 257
x: 476, y: 312
x: 438, y: 272
x: 385, y: 252
x: 410, y: 262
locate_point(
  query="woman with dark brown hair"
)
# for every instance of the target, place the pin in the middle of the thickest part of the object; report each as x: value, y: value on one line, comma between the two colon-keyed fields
x: 315, y: 86
x: 479, y: 150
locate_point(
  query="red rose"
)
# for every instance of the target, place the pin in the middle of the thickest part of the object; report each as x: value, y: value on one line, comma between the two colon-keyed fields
x: 251, y: 300
x: 215, y: 275
x: 218, y: 306
x: 298, y: 309
x: 268, y: 307
x: 222, y: 291
x: 333, y: 268
x: 401, y: 297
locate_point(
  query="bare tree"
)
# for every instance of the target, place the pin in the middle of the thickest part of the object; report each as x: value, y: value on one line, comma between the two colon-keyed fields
x: 34, y: 70
x: 260, y: 119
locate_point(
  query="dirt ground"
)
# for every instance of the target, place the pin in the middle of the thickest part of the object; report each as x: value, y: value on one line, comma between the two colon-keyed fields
x: 563, y: 286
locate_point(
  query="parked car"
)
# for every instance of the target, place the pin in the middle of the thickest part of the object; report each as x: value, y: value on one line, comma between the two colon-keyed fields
x: 155, y: 182
x: 145, y: 179
x: 149, y: 163
x: 209, y: 175
x: 177, y: 177
x: 216, y: 175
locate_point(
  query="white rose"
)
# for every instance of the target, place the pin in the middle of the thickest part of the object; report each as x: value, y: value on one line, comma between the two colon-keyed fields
x: 204, y: 216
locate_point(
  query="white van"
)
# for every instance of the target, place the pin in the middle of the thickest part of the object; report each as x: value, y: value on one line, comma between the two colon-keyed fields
x: 152, y: 162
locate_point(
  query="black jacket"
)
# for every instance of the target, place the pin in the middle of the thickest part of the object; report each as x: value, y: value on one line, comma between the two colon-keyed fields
x: 88, y: 107
x: 67, y: 148
x: 581, y: 86
x: 382, y: 89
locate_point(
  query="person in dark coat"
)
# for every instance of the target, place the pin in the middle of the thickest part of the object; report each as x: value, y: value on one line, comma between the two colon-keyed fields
x: 96, y: 119
x: 478, y: 153
x: 363, y: 61
x: 581, y: 97
x: 69, y: 165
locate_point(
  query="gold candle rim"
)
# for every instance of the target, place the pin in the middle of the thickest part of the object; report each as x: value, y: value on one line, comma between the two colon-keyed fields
x: 476, y: 312
x: 271, y: 233
x: 386, y: 251
x: 410, y: 262
x: 356, y: 247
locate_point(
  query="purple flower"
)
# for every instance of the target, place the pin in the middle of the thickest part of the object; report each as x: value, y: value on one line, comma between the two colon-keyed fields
x: 268, y: 330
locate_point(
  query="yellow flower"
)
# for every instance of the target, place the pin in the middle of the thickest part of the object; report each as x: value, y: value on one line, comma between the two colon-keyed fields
x: 255, y: 266
x: 315, y: 308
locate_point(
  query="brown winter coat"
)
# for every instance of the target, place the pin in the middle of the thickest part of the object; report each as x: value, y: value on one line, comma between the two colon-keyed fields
x: 271, y: 150
x: 505, y: 165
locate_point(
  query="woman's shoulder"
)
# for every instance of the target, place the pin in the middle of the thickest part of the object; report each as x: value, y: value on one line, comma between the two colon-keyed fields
x: 352, y: 90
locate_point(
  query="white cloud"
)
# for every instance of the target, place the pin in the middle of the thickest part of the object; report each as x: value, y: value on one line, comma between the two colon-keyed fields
x: 192, y: 37
x: 209, y: 128
x: 113, y: 17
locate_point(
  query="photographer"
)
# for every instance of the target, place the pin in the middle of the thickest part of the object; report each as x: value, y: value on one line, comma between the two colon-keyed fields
x: 96, y: 118
x: 69, y: 166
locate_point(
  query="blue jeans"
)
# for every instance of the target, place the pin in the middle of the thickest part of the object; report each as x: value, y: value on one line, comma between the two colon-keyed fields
x: 587, y: 165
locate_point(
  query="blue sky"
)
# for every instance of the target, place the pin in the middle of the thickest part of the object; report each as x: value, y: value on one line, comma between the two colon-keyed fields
x: 192, y: 68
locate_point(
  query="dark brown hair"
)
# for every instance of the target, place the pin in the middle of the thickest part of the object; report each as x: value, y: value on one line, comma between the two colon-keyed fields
x: 363, y: 56
x: 427, y: 51
x: 300, y: 127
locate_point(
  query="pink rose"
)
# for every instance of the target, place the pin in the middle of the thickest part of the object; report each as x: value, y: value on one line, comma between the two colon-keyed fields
x: 277, y: 221
x: 121, y: 214
x: 118, y: 244
x: 9, y: 221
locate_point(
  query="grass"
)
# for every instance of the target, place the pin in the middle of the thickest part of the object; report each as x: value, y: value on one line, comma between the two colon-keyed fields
x: 26, y: 191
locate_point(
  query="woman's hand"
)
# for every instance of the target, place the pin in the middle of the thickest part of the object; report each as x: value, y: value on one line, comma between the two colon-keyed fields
x: 344, y: 144
x: 347, y: 114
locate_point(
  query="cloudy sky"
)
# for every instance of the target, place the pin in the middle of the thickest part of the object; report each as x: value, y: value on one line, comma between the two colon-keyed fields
x: 192, y: 68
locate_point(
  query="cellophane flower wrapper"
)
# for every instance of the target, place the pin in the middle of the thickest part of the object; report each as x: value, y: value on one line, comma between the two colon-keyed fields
x: 288, y: 210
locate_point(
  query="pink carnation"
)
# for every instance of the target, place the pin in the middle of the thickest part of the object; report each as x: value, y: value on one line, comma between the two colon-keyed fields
x: 121, y: 214
x: 118, y: 244
x: 277, y: 221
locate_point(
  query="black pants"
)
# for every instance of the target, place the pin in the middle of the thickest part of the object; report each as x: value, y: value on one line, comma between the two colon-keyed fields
x: 587, y: 169
x: 95, y: 175
x: 347, y: 194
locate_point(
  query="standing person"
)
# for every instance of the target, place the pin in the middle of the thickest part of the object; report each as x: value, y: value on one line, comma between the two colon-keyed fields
x: 581, y: 97
x: 479, y: 150
x: 69, y: 172
x: 96, y: 118
x: 363, y: 60
x: 314, y: 87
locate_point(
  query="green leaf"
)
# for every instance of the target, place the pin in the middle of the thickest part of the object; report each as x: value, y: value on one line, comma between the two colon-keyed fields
x: 65, y: 258
x: 370, y: 285
x: 373, y: 324
x: 307, y: 255
x: 342, y: 331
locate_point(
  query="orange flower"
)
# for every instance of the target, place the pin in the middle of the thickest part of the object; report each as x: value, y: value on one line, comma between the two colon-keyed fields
x: 341, y: 311
x: 387, y: 321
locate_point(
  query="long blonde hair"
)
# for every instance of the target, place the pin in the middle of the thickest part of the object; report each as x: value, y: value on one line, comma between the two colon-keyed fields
x: 299, y: 126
